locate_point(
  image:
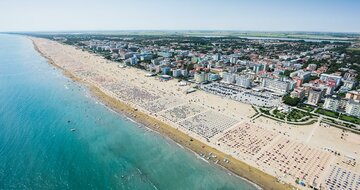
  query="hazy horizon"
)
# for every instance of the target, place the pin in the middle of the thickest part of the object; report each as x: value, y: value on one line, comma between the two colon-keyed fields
x: 172, y: 30
x: 171, y: 15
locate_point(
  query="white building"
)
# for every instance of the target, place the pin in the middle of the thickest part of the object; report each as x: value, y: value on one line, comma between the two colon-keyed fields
x: 327, y: 78
x: 133, y: 60
x: 200, y: 77
x: 349, y: 84
x: 311, y: 67
x: 229, y: 78
x: 314, y: 96
x: 353, y: 95
x: 292, y: 85
x: 177, y: 73
x: 128, y: 55
x: 243, y: 81
x: 298, y: 93
x: 331, y: 103
x: 216, y: 57
x: 184, y: 73
x: 301, y: 74
x: 281, y: 87
x: 353, y: 108
x: 233, y: 59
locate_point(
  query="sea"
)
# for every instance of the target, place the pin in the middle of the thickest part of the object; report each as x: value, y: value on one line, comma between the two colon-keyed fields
x: 55, y: 135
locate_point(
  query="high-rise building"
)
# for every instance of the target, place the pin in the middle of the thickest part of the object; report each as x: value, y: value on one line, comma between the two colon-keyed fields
x: 331, y: 79
x: 353, y: 95
x: 133, y: 60
x: 165, y: 70
x: 348, y: 84
x: 314, y: 96
x: 353, y: 108
x: 200, y: 77
x: 292, y: 85
x: 331, y: 103
x: 233, y: 59
x: 329, y: 89
x: 176, y: 73
x: 229, y: 78
x: 305, y: 75
x: 281, y: 87
x: 299, y: 81
x: 216, y: 57
x: 184, y: 72
x: 298, y: 93
x: 258, y: 67
x: 165, y: 54
x: 128, y: 55
x: 350, y: 75
x: 243, y: 81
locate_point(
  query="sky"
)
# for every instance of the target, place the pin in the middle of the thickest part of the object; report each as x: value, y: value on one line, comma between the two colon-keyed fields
x: 243, y: 15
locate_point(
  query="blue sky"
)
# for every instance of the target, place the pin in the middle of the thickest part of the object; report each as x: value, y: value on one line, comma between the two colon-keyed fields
x: 270, y: 15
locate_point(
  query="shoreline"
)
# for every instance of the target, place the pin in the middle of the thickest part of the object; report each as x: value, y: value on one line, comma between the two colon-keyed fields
x: 237, y: 167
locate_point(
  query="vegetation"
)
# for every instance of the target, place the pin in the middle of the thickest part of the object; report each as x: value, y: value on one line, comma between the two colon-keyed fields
x: 313, y: 78
x: 351, y: 119
x: 312, y: 61
x: 341, y: 94
x: 351, y: 61
x: 279, y: 114
x: 294, y: 116
x: 341, y: 125
x: 351, y: 50
x: 287, y: 73
x: 306, y: 107
x: 265, y: 111
x: 327, y: 113
x: 297, y: 115
x: 291, y: 101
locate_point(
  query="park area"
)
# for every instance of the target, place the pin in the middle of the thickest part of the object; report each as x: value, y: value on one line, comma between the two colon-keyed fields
x: 351, y: 119
x: 327, y: 113
x: 297, y: 115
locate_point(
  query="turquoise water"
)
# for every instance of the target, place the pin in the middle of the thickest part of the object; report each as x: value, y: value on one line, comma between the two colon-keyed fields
x: 38, y: 150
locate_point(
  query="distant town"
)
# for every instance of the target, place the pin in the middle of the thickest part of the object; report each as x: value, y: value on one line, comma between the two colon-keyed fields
x: 290, y: 80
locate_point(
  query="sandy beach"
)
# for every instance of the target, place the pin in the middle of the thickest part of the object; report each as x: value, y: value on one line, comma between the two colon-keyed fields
x: 271, y: 154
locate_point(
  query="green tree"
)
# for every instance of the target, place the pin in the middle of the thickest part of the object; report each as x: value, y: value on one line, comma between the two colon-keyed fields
x: 291, y: 101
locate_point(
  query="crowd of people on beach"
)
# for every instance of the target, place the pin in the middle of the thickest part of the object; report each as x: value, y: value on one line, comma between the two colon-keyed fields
x: 208, y: 124
x: 246, y: 139
x: 296, y: 159
x: 179, y: 113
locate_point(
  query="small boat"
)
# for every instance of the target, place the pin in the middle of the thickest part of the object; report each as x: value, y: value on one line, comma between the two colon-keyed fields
x: 73, y: 129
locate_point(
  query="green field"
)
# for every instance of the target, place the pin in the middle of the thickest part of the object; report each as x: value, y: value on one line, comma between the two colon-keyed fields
x: 351, y: 119
x: 327, y: 113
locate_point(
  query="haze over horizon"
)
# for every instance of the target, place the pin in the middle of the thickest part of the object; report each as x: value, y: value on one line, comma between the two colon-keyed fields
x: 259, y: 15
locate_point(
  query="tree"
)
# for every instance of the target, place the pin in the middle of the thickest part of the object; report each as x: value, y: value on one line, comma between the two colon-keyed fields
x: 189, y: 66
x: 287, y: 73
x: 291, y: 101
